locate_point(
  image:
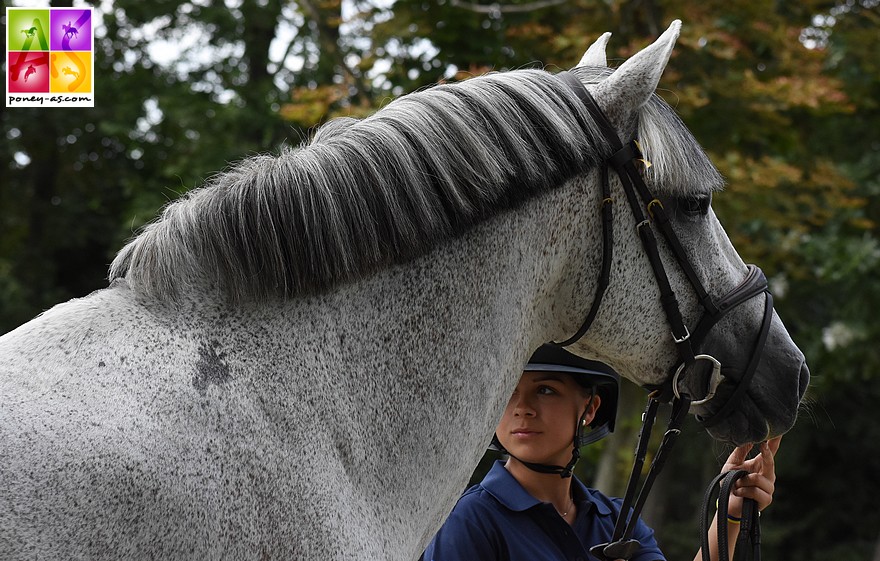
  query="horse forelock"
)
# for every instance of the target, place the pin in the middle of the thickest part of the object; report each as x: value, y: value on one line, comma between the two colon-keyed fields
x: 679, y: 165
x: 367, y: 193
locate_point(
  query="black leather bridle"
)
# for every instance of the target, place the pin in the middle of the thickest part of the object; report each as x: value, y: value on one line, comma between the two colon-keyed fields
x: 622, y: 160
x: 647, y: 211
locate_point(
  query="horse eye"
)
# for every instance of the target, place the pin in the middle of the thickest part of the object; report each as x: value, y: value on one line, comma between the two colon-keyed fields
x: 697, y: 205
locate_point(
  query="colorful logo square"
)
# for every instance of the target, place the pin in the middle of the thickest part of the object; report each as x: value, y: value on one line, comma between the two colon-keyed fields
x: 70, y: 72
x: 49, y: 57
x: 27, y: 30
x: 28, y: 72
x: 71, y: 30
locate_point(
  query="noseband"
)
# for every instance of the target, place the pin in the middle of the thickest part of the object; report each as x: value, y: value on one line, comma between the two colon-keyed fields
x: 638, y: 195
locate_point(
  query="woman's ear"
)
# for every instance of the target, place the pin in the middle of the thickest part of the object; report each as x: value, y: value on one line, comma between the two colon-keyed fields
x: 593, y: 405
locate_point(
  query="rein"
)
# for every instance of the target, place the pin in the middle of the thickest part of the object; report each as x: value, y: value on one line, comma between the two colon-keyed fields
x: 750, y: 523
x: 622, y: 546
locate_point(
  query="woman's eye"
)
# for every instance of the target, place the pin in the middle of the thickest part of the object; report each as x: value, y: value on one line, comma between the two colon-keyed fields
x: 546, y: 390
x: 697, y: 205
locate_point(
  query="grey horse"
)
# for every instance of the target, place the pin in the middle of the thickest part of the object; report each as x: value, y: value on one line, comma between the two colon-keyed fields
x: 305, y: 358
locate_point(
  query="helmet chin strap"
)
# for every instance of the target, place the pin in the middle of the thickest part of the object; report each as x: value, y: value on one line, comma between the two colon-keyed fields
x: 562, y: 471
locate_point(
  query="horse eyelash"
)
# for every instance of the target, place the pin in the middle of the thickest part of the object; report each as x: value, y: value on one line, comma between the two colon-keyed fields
x: 695, y: 206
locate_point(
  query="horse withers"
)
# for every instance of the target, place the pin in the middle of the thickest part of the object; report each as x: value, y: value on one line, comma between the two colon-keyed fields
x: 305, y: 358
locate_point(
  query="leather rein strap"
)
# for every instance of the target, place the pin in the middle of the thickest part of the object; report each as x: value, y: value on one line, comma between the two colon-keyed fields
x: 750, y: 523
x: 622, y: 544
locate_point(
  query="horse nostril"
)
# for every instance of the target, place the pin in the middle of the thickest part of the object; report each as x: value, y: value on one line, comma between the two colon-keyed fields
x: 803, y: 380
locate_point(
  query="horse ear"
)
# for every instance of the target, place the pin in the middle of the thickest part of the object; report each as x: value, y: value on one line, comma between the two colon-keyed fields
x: 595, y: 55
x: 631, y: 85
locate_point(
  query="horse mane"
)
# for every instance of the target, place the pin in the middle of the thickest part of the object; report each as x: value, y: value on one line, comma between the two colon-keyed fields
x: 364, y: 194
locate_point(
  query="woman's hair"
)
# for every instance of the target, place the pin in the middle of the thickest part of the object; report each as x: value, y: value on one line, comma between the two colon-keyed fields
x: 588, y: 387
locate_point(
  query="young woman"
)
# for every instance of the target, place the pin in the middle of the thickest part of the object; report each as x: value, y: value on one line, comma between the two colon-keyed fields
x: 530, y: 508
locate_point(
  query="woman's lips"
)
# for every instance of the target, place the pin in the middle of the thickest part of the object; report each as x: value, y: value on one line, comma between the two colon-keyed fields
x: 524, y: 433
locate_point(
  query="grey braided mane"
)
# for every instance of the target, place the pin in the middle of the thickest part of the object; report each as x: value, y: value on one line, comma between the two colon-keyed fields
x: 364, y: 194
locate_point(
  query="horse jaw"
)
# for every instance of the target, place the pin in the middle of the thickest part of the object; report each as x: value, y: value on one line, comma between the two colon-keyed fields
x: 632, y: 84
x: 595, y: 55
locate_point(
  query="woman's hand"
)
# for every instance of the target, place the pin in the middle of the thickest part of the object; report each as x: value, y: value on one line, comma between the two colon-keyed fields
x: 760, y: 483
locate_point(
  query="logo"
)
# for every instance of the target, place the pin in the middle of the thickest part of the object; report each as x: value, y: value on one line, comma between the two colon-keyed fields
x: 50, y: 57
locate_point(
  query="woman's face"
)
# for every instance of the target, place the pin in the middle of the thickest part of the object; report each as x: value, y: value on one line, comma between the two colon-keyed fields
x: 539, y: 420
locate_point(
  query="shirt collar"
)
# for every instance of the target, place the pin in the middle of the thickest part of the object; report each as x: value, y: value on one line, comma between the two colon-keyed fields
x: 584, y: 494
x: 507, y: 490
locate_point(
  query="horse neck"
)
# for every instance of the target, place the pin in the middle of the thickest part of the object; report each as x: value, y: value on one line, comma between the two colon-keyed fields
x: 513, y: 282
x: 428, y: 352
x: 523, y: 277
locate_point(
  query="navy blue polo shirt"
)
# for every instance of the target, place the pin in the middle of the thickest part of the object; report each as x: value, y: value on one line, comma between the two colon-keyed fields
x: 498, y: 520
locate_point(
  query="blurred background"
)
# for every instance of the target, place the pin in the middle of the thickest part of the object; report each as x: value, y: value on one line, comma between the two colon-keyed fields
x: 782, y: 94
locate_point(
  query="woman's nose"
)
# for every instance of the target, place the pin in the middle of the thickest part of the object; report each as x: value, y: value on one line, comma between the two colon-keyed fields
x: 522, y: 407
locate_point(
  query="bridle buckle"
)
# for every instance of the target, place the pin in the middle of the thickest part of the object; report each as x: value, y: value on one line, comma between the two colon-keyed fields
x: 685, y: 337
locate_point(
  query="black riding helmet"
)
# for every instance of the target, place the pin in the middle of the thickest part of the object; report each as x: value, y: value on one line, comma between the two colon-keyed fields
x: 597, y: 377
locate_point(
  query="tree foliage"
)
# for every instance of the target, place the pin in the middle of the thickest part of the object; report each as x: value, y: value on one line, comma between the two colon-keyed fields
x: 782, y: 95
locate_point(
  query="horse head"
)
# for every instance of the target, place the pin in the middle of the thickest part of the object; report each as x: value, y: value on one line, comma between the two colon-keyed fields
x: 728, y: 350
